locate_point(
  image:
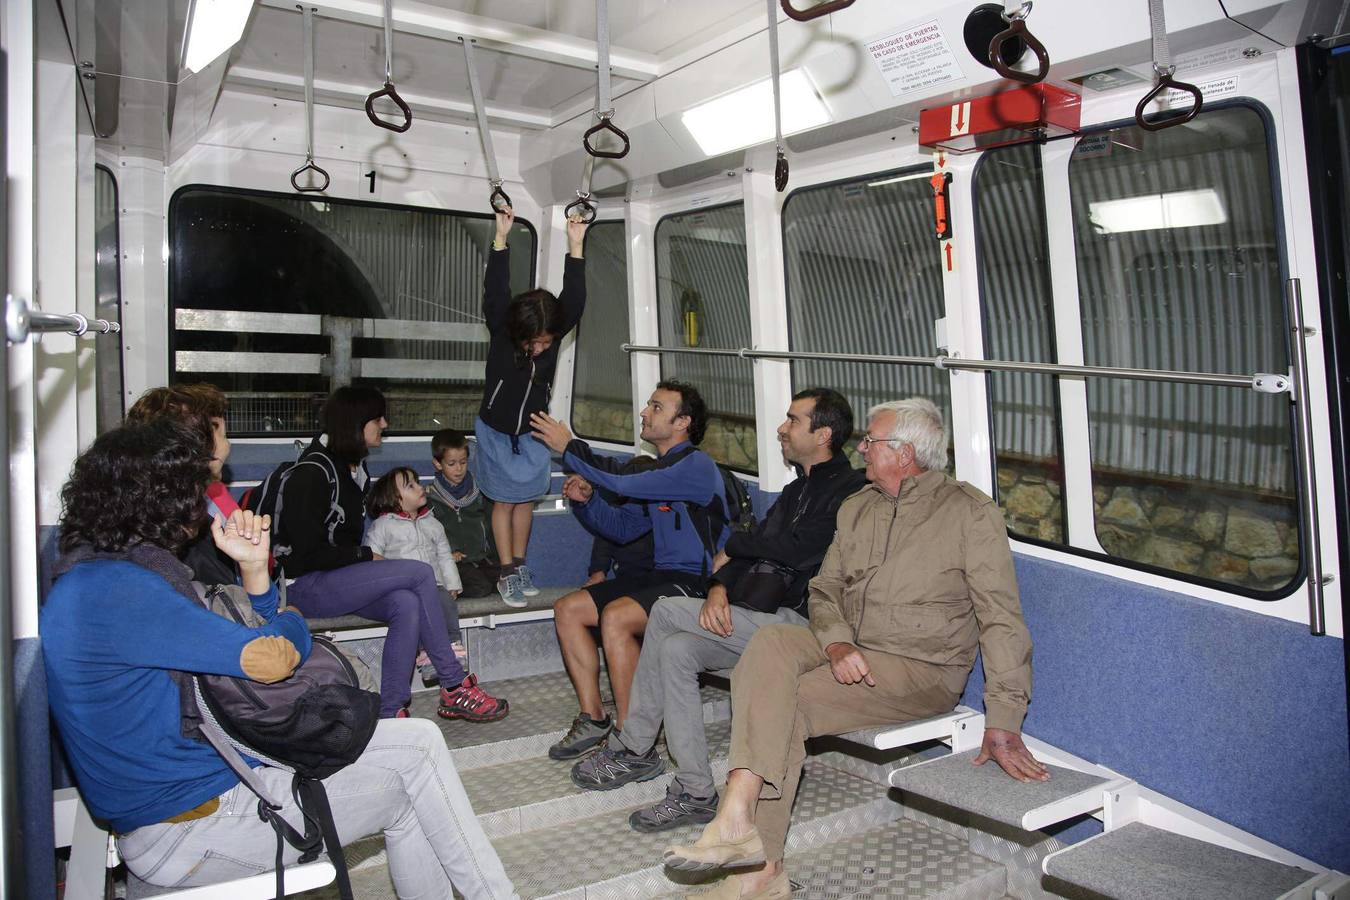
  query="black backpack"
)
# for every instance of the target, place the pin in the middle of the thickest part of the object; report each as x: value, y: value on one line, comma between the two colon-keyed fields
x: 733, y: 510
x: 267, y: 499
x: 740, y: 511
x: 314, y: 723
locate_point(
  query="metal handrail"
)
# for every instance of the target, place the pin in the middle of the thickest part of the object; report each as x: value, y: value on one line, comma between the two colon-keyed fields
x: 21, y: 321
x: 1307, y: 495
x: 1262, y: 382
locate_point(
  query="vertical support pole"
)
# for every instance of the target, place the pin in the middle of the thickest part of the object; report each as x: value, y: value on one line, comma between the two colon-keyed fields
x: 643, y: 314
x: 768, y: 319
x: 1310, y: 535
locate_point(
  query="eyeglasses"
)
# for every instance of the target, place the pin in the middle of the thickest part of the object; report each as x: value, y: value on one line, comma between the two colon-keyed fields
x: 866, y: 441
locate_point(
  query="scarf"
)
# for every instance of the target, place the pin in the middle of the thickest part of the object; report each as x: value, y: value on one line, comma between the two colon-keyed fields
x: 456, y: 496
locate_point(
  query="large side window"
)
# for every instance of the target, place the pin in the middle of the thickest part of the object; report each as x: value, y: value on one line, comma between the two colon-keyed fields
x: 704, y: 298
x: 1179, y: 267
x: 277, y: 299
x: 109, y: 386
x: 1019, y: 324
x: 602, y: 395
x: 864, y: 275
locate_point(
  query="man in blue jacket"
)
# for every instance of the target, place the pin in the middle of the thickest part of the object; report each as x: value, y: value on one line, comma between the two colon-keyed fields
x: 681, y: 501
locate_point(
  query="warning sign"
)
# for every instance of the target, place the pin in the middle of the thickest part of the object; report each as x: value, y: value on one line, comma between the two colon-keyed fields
x: 1211, y: 90
x: 915, y: 58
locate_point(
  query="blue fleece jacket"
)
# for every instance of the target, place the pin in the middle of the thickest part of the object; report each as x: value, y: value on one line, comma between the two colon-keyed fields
x: 111, y: 631
x: 665, y: 494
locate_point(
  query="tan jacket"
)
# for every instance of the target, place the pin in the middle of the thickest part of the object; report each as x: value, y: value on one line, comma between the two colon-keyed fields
x: 928, y: 576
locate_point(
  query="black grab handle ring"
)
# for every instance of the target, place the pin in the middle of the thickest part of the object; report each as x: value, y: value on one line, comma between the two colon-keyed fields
x: 780, y: 172
x: 499, y: 200
x: 584, y: 209
x: 388, y: 91
x: 1166, y: 81
x: 815, y: 12
x: 1017, y: 28
x: 309, y: 166
x: 606, y: 124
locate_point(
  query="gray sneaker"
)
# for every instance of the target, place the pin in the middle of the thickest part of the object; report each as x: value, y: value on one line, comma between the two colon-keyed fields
x: 584, y: 734
x: 526, y: 581
x: 613, y: 768
x: 509, y: 588
x: 678, y: 808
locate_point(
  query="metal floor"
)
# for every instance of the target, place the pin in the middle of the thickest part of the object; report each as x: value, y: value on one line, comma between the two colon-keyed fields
x: 849, y: 839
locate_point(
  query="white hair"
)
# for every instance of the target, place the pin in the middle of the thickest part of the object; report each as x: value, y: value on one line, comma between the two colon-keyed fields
x: 918, y: 422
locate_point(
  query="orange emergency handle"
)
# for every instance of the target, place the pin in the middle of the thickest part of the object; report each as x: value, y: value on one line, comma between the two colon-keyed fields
x: 941, y: 222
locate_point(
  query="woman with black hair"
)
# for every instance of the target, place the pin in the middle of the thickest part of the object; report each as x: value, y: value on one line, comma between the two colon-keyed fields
x: 511, y: 467
x: 335, y: 574
x: 121, y: 622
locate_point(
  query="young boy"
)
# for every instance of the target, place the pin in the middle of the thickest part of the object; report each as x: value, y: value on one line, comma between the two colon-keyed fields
x: 464, y: 513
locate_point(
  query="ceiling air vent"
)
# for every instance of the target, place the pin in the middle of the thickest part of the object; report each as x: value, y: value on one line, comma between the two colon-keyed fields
x: 698, y: 171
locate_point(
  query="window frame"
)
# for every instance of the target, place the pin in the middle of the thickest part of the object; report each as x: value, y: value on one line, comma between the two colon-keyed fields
x: 1298, y: 579
x: 170, y: 307
x: 572, y: 400
x: 656, y: 281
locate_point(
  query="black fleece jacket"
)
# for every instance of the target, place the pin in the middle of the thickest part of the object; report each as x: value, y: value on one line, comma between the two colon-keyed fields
x: 515, y: 385
x: 798, y: 528
x: 305, y: 502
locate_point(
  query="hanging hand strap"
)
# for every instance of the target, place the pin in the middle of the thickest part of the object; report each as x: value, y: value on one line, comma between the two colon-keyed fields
x: 780, y: 166
x: 604, y: 111
x: 583, y: 207
x: 308, y: 13
x: 1162, y: 72
x: 498, y: 199
x: 388, y: 89
x: 815, y: 12
x: 1015, y: 13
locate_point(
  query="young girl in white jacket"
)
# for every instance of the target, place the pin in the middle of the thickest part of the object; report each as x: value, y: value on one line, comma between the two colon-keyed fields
x: 404, y: 528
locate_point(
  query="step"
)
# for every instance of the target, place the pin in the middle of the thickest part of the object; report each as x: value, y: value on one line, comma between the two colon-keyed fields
x: 902, y: 859
x: 888, y: 737
x: 988, y: 791
x: 1145, y: 863
x: 542, y: 709
x: 601, y: 857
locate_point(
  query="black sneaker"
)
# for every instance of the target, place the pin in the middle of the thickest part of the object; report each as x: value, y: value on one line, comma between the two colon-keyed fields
x: 584, y: 734
x: 678, y: 808
x: 613, y: 768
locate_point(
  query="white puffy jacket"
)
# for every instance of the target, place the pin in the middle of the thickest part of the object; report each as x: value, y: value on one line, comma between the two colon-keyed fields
x: 400, y: 536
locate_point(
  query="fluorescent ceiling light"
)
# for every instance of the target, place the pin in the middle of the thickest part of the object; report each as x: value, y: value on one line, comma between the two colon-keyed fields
x: 214, y: 26
x: 1179, y: 209
x: 744, y: 117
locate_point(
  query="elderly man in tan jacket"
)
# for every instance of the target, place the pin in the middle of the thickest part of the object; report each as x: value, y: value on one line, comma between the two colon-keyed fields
x: 918, y: 578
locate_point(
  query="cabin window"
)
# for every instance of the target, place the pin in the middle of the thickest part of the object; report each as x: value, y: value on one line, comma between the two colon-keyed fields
x: 1178, y: 250
x: 864, y: 275
x: 602, y: 393
x: 1019, y: 325
x: 703, y: 296
x: 109, y: 386
x: 278, y: 299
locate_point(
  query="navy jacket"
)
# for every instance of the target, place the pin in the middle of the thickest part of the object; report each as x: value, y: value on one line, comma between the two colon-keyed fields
x: 514, y: 386
x: 660, y: 502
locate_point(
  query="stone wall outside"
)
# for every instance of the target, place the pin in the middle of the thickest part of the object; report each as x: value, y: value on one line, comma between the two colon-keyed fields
x: 1208, y: 531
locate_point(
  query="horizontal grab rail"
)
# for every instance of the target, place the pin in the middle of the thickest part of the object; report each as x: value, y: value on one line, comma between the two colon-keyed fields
x: 1261, y: 382
x: 21, y: 320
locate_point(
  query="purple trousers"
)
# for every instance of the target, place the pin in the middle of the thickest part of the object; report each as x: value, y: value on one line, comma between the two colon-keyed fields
x: 399, y: 592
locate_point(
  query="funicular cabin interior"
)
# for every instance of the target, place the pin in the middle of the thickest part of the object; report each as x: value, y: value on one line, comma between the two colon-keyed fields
x: 1116, y: 262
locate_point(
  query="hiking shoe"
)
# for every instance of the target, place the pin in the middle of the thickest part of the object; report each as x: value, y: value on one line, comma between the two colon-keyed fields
x: 509, y: 588
x: 677, y: 809
x: 430, y: 677
x: 402, y: 713
x: 584, y: 734
x: 613, y: 768
x: 472, y: 703
x: 526, y: 581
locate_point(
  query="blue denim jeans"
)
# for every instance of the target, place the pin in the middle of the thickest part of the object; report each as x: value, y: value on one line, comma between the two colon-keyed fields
x: 399, y: 592
x: 404, y: 784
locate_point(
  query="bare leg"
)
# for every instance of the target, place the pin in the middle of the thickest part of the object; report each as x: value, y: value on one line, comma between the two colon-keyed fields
x: 622, y: 624
x: 573, y: 617
x: 502, y: 515
x: 522, y: 517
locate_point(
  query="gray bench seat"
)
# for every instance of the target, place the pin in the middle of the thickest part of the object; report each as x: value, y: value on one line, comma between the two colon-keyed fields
x: 475, y: 612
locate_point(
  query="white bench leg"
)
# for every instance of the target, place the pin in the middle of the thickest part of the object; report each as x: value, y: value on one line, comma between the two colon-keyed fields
x: 88, y: 871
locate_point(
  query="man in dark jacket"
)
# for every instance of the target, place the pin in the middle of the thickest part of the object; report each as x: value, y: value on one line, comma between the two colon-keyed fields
x: 761, y: 578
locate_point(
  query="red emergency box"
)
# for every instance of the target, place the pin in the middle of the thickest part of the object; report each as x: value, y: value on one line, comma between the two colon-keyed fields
x: 1024, y: 113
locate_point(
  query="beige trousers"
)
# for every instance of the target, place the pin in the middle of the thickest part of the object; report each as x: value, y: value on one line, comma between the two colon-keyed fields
x: 783, y: 692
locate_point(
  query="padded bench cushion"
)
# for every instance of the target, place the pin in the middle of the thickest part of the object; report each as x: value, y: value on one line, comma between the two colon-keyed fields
x: 468, y: 609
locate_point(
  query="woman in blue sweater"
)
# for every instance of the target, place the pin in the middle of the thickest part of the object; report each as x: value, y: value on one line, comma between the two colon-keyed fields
x: 122, y: 622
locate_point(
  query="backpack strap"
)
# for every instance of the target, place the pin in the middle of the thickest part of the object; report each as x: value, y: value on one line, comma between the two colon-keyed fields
x: 311, y: 796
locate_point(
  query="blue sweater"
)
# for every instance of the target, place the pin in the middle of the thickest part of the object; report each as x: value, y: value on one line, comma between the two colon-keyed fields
x: 111, y: 631
x: 678, y: 481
